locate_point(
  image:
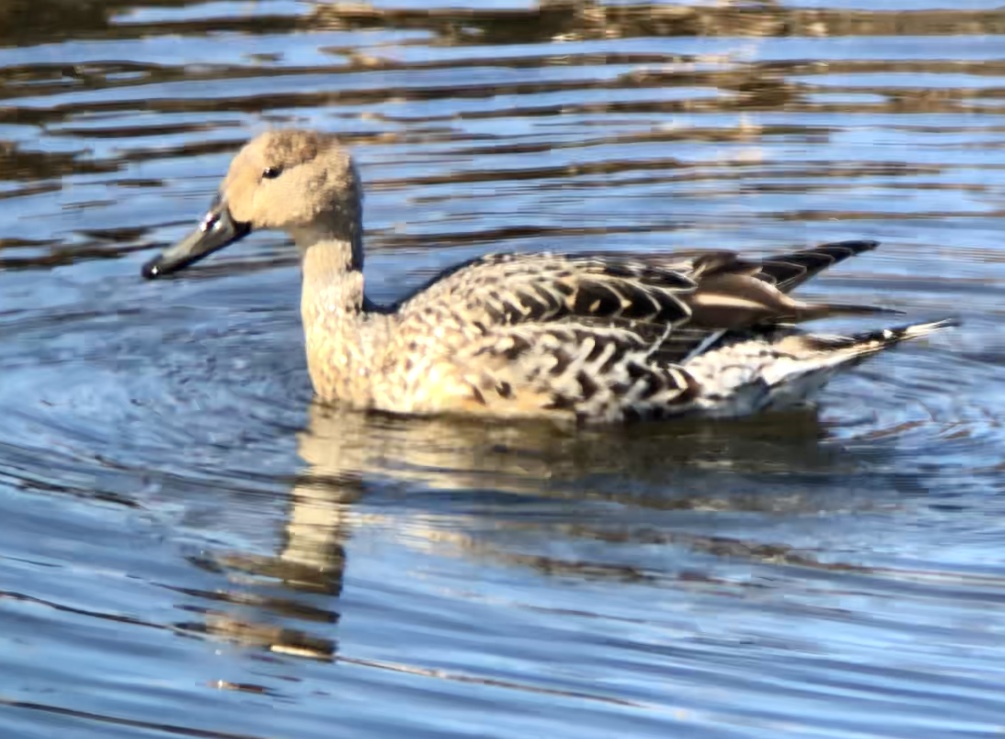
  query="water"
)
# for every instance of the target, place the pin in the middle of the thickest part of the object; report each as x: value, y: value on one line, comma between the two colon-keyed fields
x: 189, y: 547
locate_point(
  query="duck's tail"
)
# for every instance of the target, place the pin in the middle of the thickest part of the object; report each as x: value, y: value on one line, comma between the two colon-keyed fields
x: 789, y: 371
x: 850, y: 350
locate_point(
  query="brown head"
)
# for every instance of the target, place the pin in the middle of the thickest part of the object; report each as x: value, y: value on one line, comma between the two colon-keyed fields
x: 297, y: 181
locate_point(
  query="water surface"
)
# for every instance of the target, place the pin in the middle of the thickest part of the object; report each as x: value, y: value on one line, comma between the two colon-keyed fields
x: 190, y: 547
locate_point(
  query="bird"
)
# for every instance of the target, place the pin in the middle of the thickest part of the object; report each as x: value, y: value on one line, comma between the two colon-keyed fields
x: 587, y: 337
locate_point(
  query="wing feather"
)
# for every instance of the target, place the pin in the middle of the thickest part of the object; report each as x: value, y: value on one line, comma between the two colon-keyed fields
x: 604, y: 336
x: 672, y: 304
x: 509, y: 289
x: 789, y: 271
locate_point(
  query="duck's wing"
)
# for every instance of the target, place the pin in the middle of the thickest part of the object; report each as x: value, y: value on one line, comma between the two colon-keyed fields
x: 596, y: 334
x: 510, y: 289
x: 790, y: 270
x: 701, y: 291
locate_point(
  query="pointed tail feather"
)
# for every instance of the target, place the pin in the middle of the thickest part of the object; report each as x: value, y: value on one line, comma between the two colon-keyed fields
x: 857, y: 347
x: 822, y: 356
x: 791, y: 370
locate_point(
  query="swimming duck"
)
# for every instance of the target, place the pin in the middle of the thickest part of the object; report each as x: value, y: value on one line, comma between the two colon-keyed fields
x: 581, y: 337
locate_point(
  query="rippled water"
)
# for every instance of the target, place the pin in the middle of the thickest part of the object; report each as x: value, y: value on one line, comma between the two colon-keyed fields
x: 189, y: 547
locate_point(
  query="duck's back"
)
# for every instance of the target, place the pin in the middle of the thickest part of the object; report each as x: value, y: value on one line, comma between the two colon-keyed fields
x: 596, y: 337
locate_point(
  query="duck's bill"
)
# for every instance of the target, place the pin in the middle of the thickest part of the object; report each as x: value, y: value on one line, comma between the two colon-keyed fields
x: 217, y: 230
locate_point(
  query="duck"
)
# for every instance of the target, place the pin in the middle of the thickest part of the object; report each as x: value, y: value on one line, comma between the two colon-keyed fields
x: 586, y: 337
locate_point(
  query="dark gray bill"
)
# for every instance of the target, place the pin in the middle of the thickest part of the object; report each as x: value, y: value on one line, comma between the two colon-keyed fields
x: 217, y: 230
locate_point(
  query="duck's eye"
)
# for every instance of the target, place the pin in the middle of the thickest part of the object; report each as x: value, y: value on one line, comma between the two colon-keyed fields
x: 271, y: 173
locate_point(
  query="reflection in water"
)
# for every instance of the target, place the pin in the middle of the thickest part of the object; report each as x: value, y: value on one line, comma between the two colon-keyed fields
x: 518, y: 478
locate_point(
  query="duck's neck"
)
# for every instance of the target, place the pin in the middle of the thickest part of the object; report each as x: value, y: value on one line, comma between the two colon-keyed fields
x: 341, y: 338
x: 332, y: 277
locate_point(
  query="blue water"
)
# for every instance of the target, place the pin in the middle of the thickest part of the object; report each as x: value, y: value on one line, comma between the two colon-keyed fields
x: 190, y: 547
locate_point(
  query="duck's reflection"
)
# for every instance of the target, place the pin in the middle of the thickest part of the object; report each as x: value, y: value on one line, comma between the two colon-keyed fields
x: 481, y: 473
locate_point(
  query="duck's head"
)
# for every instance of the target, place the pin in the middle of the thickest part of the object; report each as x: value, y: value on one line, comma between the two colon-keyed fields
x: 301, y: 182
